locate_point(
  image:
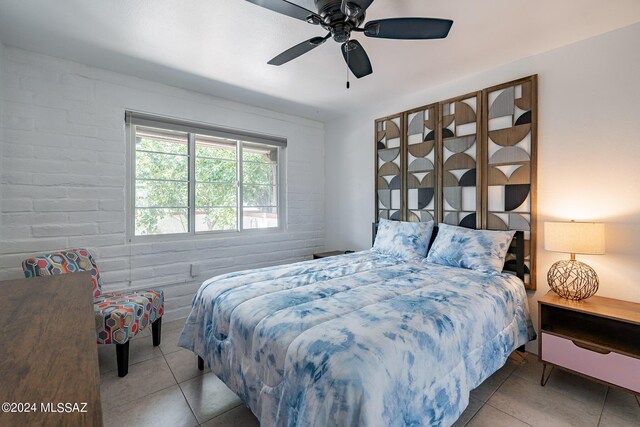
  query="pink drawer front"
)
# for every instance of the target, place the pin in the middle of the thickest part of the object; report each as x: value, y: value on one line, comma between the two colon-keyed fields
x: 613, y: 368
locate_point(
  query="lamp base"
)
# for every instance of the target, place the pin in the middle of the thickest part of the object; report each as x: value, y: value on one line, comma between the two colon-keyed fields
x: 573, y: 280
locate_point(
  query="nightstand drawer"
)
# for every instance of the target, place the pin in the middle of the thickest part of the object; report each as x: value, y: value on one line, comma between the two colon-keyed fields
x: 612, y: 367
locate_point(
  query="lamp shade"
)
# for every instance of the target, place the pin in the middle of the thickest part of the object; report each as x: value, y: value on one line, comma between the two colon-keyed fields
x: 574, y: 237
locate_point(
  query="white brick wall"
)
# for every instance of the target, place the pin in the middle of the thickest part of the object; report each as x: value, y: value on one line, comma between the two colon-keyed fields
x: 63, y: 176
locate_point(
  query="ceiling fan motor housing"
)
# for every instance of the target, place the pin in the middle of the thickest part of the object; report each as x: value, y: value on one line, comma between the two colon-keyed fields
x: 335, y: 21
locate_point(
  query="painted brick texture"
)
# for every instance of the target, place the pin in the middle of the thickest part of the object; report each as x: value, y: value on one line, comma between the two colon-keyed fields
x: 63, y: 176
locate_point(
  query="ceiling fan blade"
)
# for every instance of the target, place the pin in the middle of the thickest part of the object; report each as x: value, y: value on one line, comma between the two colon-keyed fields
x: 356, y: 58
x: 408, y: 28
x: 289, y: 9
x: 297, y: 50
x: 352, y: 8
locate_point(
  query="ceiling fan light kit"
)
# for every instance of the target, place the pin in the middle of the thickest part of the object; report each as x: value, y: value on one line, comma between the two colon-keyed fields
x: 351, y: 10
x: 342, y: 17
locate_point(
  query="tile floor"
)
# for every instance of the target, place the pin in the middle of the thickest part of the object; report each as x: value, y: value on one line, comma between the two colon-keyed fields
x: 165, y: 388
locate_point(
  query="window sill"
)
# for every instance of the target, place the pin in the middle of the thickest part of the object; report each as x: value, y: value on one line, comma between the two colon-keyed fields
x: 205, y: 235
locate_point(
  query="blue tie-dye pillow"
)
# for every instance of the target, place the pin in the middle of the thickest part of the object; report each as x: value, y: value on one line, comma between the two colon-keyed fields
x: 407, y: 240
x: 482, y: 250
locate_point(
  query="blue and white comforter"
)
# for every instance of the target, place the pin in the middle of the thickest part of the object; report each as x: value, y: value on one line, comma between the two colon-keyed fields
x: 360, y: 339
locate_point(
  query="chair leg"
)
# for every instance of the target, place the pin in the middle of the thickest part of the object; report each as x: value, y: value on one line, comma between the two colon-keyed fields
x: 200, y: 363
x: 122, y: 356
x: 156, y: 331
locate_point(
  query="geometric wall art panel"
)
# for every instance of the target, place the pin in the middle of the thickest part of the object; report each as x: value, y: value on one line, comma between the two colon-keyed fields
x: 461, y: 189
x: 469, y: 161
x: 388, y: 168
x: 421, y: 161
x: 510, y: 173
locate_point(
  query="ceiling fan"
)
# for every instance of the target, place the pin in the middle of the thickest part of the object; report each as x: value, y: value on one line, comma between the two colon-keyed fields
x: 342, y: 17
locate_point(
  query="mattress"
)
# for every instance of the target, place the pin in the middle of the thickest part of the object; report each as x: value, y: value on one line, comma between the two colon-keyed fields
x: 358, y: 339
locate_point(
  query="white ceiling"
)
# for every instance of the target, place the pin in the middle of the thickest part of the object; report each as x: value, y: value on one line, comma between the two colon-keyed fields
x: 222, y: 46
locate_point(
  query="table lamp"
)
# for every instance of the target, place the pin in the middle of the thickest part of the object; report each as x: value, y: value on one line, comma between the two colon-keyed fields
x: 572, y: 279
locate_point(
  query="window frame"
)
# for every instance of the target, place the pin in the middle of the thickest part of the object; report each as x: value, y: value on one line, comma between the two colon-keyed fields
x: 133, y: 119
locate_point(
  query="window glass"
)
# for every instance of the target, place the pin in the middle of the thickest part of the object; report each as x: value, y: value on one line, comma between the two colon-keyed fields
x: 259, y: 186
x: 216, y: 184
x: 161, y: 191
x: 187, y: 183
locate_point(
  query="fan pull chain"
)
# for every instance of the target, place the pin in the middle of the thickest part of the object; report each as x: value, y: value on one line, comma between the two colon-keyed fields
x: 347, y: 48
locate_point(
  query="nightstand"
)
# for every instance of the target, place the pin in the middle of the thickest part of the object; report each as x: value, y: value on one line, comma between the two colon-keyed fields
x: 598, y: 338
x: 331, y: 253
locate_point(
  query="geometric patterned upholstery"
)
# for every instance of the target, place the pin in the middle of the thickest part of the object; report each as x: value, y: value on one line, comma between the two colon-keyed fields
x: 119, y: 316
x: 66, y: 261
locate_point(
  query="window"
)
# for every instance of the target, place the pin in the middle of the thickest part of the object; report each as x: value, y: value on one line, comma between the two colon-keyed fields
x: 189, y: 179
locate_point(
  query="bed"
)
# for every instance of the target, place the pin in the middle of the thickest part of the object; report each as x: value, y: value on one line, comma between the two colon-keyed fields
x: 358, y: 339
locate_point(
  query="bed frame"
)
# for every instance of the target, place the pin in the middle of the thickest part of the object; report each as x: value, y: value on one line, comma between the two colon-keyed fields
x: 513, y: 266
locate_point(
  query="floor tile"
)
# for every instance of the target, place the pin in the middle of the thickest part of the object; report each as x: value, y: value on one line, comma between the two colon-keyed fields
x: 574, y: 385
x: 577, y: 387
x: 166, y: 327
x: 167, y: 407
x: 611, y: 420
x: 518, y: 356
x: 620, y: 407
x: 184, y: 365
x: 473, y: 407
x: 143, y: 379
x: 530, y: 368
x: 489, y: 416
x: 169, y: 341
x: 237, y: 417
x: 484, y: 391
x: 145, y: 334
x: 208, y: 396
x: 139, y: 351
x: 544, y: 406
x: 173, y: 325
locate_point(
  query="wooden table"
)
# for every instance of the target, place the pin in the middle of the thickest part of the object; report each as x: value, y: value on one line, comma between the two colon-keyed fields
x: 48, y: 352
